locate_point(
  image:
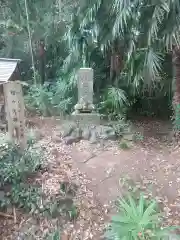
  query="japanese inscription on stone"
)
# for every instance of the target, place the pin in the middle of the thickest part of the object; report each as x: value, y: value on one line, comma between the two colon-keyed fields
x: 15, y: 112
x: 85, y: 85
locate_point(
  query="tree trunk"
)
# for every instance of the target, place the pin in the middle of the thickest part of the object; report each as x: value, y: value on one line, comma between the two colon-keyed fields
x: 42, y: 61
x: 176, y: 65
x: 176, y: 98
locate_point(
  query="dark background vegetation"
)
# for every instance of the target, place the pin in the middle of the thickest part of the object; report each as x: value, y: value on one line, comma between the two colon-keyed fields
x: 55, y: 38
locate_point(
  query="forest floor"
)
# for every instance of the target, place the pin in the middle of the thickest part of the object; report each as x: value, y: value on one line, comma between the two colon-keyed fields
x: 100, y: 172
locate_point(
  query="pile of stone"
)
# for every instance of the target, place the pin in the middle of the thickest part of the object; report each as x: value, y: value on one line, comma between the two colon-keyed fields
x: 73, y: 133
x: 86, y: 123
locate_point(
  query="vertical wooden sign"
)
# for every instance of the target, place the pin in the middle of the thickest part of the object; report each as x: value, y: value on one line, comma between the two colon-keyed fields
x: 14, y: 104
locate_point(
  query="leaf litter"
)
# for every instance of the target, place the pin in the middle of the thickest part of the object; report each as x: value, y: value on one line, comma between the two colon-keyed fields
x: 92, y: 214
x: 90, y: 219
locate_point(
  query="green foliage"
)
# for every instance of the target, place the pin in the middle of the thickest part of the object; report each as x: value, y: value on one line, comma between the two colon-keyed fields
x: 63, y: 97
x: 87, y: 34
x: 24, y: 196
x: 38, y: 100
x: 176, y: 118
x: 50, y: 100
x: 138, y: 137
x: 124, y: 145
x: 120, y: 127
x: 137, y: 219
x: 115, y: 103
x: 15, y: 165
x: 54, y: 236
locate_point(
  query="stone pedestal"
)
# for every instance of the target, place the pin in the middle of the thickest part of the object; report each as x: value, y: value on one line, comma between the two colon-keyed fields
x: 85, y: 113
x: 86, y: 118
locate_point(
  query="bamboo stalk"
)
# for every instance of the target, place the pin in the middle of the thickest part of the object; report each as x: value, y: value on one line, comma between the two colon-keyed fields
x: 30, y: 41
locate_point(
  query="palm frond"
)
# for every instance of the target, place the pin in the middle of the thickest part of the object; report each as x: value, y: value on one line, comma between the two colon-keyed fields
x: 152, y: 65
x: 124, y: 12
x: 160, y: 9
x: 117, y: 97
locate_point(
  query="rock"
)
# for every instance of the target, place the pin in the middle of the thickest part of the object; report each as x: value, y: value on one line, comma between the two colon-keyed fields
x: 70, y: 140
x: 129, y: 137
x: 77, y: 133
x: 86, y: 134
x: 94, y: 137
x: 67, y: 129
x: 111, y: 135
x: 106, y: 132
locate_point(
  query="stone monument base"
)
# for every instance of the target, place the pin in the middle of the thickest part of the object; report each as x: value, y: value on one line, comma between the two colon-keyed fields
x: 74, y: 132
x: 86, y: 118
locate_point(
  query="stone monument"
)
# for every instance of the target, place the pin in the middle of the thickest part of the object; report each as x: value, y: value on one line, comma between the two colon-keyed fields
x: 86, y: 124
x: 15, y: 115
x: 85, y: 109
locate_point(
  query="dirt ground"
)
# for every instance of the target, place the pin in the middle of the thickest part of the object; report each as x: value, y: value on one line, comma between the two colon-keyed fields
x: 153, y: 164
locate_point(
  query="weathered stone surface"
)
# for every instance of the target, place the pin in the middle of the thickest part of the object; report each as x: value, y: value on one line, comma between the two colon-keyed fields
x: 67, y: 129
x: 77, y: 133
x: 86, y: 118
x: 86, y: 134
x: 129, y: 137
x: 85, y: 85
x: 106, y: 132
x: 70, y: 140
x: 94, y: 137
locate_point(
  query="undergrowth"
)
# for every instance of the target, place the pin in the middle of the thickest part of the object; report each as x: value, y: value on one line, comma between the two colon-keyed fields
x: 15, y: 167
x: 18, y: 189
x: 137, y: 217
x: 45, y: 100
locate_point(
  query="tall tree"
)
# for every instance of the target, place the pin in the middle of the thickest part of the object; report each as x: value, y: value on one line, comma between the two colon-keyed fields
x: 146, y: 30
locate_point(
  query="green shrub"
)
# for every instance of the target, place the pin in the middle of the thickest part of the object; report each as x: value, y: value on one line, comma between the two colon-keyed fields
x: 176, y: 118
x: 114, y: 103
x: 25, y: 196
x: 137, y: 219
x: 52, y: 100
x: 38, y: 100
x: 120, y: 127
x: 54, y: 236
x: 15, y: 165
x: 124, y: 145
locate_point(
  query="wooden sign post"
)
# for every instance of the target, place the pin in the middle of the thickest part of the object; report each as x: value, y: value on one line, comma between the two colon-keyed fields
x: 14, y: 105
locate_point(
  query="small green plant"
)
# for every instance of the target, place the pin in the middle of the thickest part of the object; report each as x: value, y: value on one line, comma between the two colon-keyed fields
x: 25, y: 196
x: 15, y: 166
x: 50, y: 100
x: 138, y: 137
x: 176, y: 118
x: 54, y: 236
x: 120, y: 127
x: 137, y: 219
x: 114, y: 103
x: 38, y: 100
x: 124, y: 145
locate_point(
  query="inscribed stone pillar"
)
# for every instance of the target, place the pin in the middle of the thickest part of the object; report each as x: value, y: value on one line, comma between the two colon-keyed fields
x: 85, y: 85
x: 15, y: 112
